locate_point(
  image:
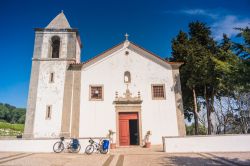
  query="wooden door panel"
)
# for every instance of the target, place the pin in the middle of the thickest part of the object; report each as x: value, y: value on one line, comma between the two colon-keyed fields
x: 124, y: 132
x: 128, y: 116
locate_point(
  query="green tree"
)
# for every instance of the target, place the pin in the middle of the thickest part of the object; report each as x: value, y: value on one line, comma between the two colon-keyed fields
x: 11, y: 114
x: 190, y: 130
x: 242, y: 94
x: 243, y: 51
x: 227, y: 71
x: 213, y: 71
x: 181, y: 52
x: 197, y: 50
x: 204, y: 49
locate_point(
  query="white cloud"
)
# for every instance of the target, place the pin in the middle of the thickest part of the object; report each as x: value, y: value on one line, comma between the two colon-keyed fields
x: 220, y: 20
x: 227, y: 24
x: 192, y: 12
x: 200, y: 12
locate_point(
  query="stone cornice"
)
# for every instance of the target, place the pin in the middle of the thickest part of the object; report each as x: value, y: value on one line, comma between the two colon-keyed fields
x: 56, y: 30
x: 76, y: 66
x: 53, y: 59
x: 46, y: 30
x: 176, y: 66
x: 127, y: 99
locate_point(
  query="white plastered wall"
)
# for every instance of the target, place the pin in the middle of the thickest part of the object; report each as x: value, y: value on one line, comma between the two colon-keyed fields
x: 78, y: 52
x: 50, y: 94
x: 212, y: 143
x: 97, y: 117
x: 37, y: 145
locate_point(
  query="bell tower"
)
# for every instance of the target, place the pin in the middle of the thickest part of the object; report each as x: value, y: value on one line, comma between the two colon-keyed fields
x: 56, y: 46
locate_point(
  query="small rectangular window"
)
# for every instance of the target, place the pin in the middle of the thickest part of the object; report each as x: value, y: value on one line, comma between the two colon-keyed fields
x: 96, y: 92
x: 48, y: 112
x: 158, y: 92
x: 51, y: 78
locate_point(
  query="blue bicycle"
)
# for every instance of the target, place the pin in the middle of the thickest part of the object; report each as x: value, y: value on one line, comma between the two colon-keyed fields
x: 73, y: 146
x: 102, y: 146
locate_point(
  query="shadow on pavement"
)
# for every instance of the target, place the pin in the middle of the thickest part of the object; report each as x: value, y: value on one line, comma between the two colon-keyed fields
x: 198, y: 161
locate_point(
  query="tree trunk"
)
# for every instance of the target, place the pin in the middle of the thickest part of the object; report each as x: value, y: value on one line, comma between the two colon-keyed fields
x: 209, y: 124
x: 223, y: 116
x: 224, y: 125
x: 196, y: 116
x: 211, y: 106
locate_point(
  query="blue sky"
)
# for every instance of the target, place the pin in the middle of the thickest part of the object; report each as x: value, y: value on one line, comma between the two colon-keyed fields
x: 102, y: 24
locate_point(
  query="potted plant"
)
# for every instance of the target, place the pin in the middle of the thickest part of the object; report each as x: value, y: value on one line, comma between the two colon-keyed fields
x: 147, y: 141
x: 111, y: 139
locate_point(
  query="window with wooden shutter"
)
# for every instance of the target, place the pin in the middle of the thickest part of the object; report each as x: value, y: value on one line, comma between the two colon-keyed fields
x: 158, y: 92
x: 96, y: 92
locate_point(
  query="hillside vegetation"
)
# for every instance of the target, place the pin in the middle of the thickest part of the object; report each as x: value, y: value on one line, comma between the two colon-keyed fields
x: 8, y: 129
x: 11, y: 114
x: 11, y: 120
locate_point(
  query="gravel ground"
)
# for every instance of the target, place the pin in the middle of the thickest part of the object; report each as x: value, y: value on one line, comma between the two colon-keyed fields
x: 125, y: 157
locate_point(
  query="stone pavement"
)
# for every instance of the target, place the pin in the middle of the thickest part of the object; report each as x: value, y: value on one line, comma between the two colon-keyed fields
x: 125, y: 157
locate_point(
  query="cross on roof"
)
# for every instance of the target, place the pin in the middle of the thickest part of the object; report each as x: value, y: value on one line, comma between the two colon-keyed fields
x: 126, y: 36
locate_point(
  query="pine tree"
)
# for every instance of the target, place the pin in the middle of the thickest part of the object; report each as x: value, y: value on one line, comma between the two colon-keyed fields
x: 198, y: 74
x: 181, y: 52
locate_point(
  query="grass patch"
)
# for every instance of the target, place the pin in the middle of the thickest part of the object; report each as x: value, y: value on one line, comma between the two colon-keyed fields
x: 8, y: 129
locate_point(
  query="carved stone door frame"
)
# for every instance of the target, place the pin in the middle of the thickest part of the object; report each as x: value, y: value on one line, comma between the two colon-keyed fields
x: 128, y: 108
x: 128, y: 104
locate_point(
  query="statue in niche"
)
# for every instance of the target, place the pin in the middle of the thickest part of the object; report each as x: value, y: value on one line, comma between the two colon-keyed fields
x: 127, y: 77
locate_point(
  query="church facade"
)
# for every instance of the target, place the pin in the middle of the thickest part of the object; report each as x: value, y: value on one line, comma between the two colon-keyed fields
x: 126, y: 89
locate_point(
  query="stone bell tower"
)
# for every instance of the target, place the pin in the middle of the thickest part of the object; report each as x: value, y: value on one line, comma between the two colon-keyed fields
x: 56, y: 46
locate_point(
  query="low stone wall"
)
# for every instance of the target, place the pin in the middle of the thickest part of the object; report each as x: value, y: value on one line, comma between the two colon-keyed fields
x: 214, y: 143
x: 36, y: 145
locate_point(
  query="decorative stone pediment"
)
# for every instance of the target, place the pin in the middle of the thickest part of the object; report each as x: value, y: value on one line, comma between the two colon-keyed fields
x: 128, y: 98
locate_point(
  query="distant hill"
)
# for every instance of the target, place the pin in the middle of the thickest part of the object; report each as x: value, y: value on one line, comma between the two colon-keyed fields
x: 11, y: 114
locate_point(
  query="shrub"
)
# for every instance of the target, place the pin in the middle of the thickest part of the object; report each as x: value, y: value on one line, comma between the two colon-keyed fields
x: 190, y: 130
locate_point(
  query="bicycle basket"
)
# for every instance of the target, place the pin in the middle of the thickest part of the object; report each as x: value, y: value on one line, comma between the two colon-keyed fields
x: 62, y: 138
x: 105, y: 144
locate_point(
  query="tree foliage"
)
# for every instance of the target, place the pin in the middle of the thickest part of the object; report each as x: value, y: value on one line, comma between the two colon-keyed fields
x: 190, y: 130
x: 243, y: 49
x: 196, y: 49
x: 11, y: 114
x: 213, y: 70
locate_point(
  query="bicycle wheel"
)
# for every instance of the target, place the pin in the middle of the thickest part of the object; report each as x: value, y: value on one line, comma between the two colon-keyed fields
x: 89, y: 149
x: 58, y: 147
x: 72, y: 150
x: 104, y: 151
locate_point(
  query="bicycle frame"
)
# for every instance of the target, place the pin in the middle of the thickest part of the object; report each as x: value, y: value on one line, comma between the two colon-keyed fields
x: 67, y: 145
x: 96, y: 145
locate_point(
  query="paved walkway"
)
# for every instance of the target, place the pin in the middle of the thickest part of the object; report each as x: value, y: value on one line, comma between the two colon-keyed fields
x: 125, y: 157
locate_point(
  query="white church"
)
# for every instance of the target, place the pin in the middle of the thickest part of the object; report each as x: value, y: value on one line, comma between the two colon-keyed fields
x: 126, y: 89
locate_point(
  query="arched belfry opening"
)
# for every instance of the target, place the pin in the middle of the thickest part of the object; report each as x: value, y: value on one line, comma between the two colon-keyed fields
x: 55, y: 45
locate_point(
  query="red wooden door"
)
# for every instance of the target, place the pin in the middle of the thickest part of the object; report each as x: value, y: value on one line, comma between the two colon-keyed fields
x: 124, y: 137
x: 124, y: 132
